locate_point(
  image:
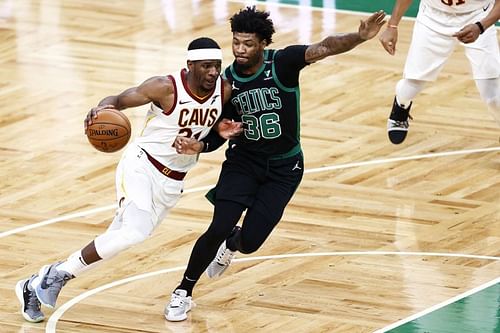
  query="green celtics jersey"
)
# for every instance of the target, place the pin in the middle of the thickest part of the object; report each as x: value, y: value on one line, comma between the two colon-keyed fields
x: 269, y: 110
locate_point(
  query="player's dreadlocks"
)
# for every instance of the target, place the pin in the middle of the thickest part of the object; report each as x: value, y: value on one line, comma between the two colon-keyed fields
x: 251, y: 20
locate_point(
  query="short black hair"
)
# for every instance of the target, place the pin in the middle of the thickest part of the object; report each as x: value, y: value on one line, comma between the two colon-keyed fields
x: 252, y: 20
x: 203, y: 43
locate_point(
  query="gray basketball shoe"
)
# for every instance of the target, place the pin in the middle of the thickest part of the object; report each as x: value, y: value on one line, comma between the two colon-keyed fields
x: 51, y: 283
x: 30, y: 305
x: 221, y: 261
x: 180, y: 304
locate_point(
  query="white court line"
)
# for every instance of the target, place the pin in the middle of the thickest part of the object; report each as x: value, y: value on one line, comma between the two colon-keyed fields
x: 52, y: 321
x: 404, y: 158
x: 315, y: 170
x: 438, y: 306
x: 79, y: 214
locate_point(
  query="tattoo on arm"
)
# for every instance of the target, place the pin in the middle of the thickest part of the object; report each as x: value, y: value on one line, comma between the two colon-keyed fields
x: 332, y: 45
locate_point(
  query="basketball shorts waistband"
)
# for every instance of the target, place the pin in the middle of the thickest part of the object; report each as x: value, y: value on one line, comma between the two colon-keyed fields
x: 166, y: 171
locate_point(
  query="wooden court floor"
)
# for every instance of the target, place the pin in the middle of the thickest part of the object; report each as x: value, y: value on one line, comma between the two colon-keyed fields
x: 374, y: 234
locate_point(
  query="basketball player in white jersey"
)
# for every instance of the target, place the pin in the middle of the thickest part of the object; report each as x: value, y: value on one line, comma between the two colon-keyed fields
x: 439, y: 27
x: 149, y: 176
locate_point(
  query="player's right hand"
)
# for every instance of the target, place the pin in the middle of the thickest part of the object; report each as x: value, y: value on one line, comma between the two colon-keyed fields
x: 370, y: 27
x: 93, y: 115
x: 388, y: 39
x: 228, y: 129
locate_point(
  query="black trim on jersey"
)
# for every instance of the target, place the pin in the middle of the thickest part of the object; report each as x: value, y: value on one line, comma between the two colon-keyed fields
x: 269, y: 108
x: 288, y: 63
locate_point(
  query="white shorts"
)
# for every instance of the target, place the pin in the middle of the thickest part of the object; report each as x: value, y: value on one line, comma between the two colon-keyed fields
x: 139, y: 181
x: 432, y: 44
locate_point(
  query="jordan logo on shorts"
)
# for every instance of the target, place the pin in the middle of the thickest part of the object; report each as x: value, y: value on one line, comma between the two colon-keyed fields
x: 296, y: 167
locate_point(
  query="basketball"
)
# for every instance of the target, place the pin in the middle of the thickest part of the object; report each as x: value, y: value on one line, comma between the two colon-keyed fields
x: 110, y: 131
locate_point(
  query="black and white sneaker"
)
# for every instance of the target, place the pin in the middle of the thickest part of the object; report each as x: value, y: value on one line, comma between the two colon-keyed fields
x: 223, y: 258
x: 30, y: 305
x: 397, y: 124
x: 180, y: 304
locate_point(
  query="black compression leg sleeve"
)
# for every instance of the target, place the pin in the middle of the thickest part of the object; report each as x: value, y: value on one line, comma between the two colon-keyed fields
x: 226, y: 216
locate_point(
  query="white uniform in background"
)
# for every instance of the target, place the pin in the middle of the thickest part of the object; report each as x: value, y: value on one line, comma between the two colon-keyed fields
x: 432, y: 42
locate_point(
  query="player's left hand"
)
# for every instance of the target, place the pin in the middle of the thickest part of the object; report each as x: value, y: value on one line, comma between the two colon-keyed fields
x: 228, y: 128
x: 370, y: 27
x: 468, y: 34
x: 188, y: 146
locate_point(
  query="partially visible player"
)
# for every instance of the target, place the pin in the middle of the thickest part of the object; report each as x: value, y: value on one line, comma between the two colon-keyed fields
x: 149, y: 176
x: 440, y: 26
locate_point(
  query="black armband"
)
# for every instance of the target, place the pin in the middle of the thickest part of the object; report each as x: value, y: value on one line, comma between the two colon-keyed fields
x: 481, y: 28
x: 212, y: 141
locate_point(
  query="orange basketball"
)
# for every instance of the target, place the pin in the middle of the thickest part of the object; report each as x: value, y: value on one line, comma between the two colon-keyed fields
x: 110, y: 131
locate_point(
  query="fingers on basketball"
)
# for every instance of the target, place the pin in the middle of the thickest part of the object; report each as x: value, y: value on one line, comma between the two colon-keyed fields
x: 110, y: 131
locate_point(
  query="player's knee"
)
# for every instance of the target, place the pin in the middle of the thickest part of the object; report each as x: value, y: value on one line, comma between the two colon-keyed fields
x: 214, y: 235
x: 248, y: 249
x: 113, y: 242
x: 493, y: 103
x: 132, y: 236
x: 248, y: 246
x: 127, y: 237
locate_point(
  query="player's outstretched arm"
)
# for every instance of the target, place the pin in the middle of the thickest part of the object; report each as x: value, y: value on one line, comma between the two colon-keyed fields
x: 155, y: 89
x: 228, y: 129
x: 389, y: 37
x: 344, y: 42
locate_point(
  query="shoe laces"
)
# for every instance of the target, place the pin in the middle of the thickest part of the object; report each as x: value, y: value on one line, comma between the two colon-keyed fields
x: 177, y: 301
x: 33, y: 302
x: 400, y: 123
x: 225, y: 257
x: 58, y: 280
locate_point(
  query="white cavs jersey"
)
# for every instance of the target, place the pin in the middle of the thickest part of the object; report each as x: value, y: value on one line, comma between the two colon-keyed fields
x: 189, y: 116
x: 449, y: 16
x: 458, y: 6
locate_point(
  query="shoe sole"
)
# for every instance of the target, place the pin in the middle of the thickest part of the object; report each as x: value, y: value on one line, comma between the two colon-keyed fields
x: 38, y: 288
x: 20, y: 297
x: 397, y: 136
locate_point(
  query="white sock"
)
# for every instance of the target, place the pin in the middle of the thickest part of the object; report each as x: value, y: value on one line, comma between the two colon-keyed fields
x: 406, y: 90
x: 74, y: 265
x: 489, y: 89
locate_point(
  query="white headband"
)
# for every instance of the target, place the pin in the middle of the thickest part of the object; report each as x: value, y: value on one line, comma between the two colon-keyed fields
x: 204, y: 54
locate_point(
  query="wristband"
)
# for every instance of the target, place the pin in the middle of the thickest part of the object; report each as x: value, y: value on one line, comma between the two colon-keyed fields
x: 481, y: 28
x: 204, y: 147
x: 392, y: 26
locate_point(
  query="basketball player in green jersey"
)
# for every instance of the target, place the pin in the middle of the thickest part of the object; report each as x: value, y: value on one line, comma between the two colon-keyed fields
x: 264, y: 165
